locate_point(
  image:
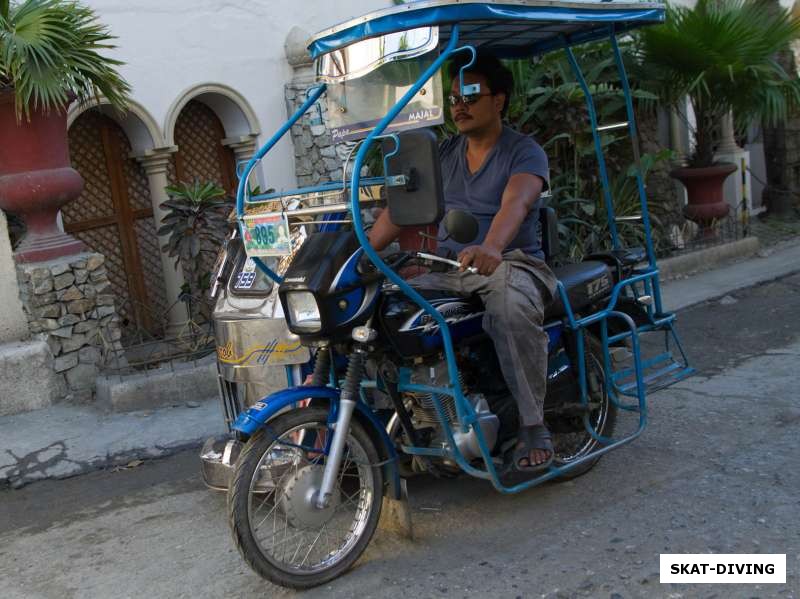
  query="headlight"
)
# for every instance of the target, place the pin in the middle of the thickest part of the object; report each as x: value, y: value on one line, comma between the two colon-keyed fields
x: 303, y: 311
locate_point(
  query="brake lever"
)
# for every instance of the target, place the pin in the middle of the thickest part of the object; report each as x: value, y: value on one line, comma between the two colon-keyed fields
x: 454, y: 263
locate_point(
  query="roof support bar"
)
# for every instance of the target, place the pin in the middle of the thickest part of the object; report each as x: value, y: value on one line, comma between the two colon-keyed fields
x: 242, y: 190
x: 637, y: 159
x: 598, y: 147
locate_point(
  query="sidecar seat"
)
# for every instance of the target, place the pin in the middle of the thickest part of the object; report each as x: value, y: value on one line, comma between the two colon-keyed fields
x: 585, y: 282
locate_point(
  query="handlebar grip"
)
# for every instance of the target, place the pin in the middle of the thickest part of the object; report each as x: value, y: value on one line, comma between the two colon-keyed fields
x: 453, y: 263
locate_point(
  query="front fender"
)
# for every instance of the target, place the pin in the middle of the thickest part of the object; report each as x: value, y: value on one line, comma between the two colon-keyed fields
x: 252, y: 419
x: 257, y: 415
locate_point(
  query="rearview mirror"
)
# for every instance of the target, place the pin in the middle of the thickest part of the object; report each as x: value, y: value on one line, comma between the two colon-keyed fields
x: 413, y: 178
x: 461, y: 226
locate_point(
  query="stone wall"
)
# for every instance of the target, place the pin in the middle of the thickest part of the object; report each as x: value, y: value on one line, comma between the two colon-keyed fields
x: 70, y: 305
x: 317, y: 159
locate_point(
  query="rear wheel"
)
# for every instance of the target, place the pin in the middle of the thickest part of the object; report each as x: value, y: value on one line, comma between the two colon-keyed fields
x: 571, y: 440
x: 276, y: 526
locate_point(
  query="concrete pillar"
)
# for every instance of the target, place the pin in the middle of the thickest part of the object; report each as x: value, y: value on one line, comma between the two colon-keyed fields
x: 295, y: 48
x: 738, y: 187
x: 727, y: 142
x: 13, y: 323
x: 676, y: 133
x: 155, y: 164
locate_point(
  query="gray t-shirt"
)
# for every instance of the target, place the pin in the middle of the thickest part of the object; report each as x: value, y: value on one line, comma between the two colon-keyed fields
x: 481, y: 193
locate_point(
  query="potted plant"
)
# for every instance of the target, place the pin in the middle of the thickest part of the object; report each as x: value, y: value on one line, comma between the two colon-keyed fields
x: 196, y: 225
x: 721, y: 55
x: 50, y: 55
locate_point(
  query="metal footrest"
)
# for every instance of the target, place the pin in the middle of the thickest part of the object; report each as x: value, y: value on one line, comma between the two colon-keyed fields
x: 658, y: 371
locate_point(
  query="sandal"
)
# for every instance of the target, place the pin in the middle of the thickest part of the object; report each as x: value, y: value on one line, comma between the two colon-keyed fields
x: 528, y: 439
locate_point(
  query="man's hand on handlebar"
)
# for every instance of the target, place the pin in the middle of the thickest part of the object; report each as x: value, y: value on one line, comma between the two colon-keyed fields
x: 484, y: 258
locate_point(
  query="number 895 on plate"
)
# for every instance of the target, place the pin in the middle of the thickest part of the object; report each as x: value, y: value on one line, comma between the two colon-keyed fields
x: 266, y: 235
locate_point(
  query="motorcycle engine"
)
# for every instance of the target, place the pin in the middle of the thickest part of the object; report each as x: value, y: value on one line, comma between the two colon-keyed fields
x: 424, y: 413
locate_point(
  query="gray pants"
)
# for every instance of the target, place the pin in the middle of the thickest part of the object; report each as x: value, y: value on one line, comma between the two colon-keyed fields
x: 515, y: 296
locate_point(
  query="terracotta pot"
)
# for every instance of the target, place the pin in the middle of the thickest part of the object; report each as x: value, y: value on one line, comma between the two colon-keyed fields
x: 36, y: 179
x: 704, y: 188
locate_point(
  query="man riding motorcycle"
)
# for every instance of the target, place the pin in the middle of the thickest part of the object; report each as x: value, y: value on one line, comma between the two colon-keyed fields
x: 497, y: 175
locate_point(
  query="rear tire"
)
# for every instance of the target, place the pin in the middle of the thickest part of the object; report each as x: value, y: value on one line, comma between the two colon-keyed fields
x: 603, y: 418
x: 277, y: 469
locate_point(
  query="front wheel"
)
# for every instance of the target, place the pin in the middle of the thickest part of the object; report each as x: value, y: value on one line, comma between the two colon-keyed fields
x: 276, y: 525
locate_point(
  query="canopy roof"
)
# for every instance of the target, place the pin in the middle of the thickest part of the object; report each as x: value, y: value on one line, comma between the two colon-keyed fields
x: 507, y: 28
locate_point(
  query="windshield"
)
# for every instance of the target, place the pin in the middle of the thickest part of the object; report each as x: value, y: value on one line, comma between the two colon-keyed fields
x: 356, y: 105
x: 358, y: 59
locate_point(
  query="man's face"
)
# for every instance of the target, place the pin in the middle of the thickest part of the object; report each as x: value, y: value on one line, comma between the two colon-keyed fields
x: 485, y: 112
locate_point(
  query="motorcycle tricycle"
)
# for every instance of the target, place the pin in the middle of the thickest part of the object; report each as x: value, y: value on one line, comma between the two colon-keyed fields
x: 404, y: 380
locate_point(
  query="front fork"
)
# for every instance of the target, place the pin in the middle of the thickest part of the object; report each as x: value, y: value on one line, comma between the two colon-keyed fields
x: 347, y: 403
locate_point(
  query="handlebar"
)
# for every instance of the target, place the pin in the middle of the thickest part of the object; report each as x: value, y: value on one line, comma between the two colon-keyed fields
x: 397, y: 261
x: 435, y: 258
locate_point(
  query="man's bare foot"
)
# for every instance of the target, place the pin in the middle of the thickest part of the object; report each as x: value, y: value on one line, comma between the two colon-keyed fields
x: 535, y: 448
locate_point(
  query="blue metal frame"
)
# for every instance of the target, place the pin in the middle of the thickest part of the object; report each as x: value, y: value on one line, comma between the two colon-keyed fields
x: 465, y: 412
x: 615, y: 382
x: 598, y: 146
x: 321, y: 188
x: 241, y: 190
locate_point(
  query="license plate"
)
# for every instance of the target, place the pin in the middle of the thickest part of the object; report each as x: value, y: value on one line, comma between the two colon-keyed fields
x: 266, y: 235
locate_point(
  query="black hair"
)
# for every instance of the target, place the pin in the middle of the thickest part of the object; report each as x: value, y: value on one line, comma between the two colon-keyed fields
x: 497, y: 75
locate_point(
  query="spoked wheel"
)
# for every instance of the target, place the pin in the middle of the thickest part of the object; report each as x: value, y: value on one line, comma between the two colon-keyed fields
x: 571, y: 440
x: 276, y: 525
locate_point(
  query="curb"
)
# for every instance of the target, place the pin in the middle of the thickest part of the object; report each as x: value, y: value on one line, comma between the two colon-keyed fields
x: 174, y: 383
x: 701, y: 260
x: 770, y: 265
x: 68, y: 440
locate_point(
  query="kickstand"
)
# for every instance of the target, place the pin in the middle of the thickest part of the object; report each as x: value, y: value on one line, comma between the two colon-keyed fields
x: 396, y: 514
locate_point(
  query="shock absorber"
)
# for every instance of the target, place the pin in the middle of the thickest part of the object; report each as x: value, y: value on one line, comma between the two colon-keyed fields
x: 347, y: 403
x: 352, y: 380
x: 322, y: 367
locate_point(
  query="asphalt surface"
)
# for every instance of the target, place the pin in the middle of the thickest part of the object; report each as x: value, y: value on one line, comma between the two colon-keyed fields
x: 716, y: 471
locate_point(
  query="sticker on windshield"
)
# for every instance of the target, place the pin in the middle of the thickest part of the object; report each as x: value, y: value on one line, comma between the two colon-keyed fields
x: 425, y: 117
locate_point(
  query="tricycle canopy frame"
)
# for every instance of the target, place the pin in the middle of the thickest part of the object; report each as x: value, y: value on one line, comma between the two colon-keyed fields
x: 539, y: 26
x: 507, y: 28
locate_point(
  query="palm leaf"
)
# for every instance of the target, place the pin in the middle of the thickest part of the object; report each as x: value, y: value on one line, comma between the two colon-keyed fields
x: 51, y: 50
x: 721, y: 54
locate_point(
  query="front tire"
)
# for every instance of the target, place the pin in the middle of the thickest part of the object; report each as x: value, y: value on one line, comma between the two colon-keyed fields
x: 278, y: 531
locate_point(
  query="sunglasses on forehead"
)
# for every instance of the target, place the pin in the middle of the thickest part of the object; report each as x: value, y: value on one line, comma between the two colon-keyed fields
x: 466, y: 99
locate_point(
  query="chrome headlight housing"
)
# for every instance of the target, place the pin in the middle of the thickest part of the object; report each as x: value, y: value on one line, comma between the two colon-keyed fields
x: 303, y: 311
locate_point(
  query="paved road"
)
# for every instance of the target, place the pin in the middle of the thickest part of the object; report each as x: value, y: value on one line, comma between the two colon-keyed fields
x: 716, y: 471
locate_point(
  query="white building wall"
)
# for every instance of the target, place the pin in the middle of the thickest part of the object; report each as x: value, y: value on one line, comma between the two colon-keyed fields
x: 169, y: 47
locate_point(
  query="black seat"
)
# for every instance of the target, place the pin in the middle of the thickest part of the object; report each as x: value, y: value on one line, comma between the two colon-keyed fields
x: 585, y: 283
